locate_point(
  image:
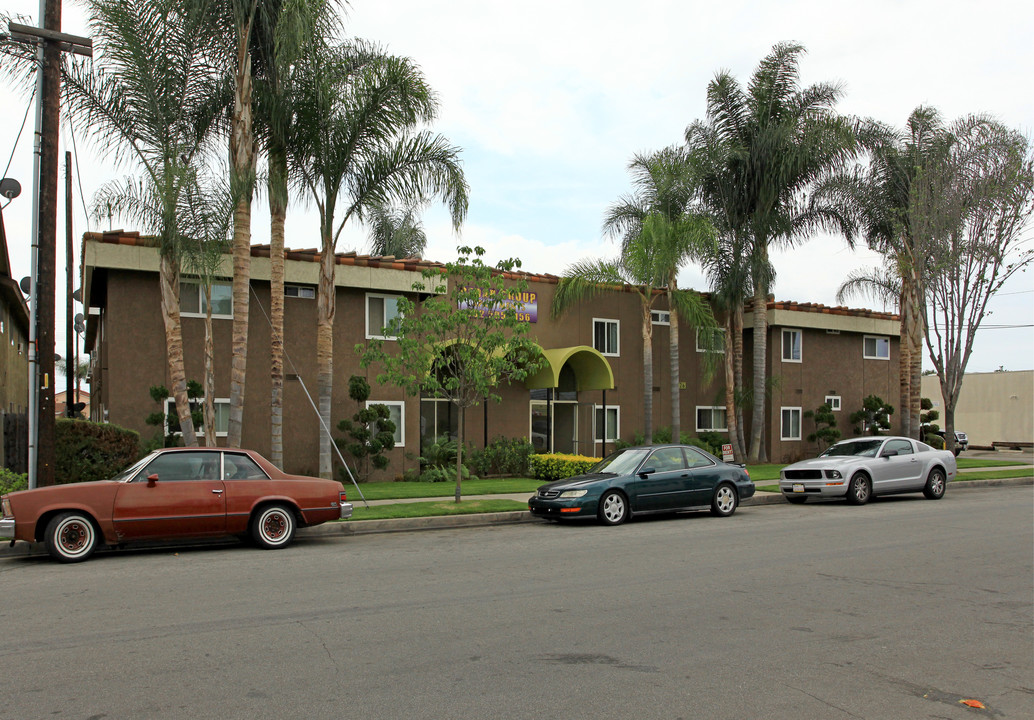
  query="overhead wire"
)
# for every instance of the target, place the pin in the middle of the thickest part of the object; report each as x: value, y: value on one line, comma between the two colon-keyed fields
x: 18, y: 139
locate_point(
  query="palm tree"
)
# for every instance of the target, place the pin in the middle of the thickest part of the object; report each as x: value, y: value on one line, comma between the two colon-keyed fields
x: 153, y: 98
x: 356, y: 142
x: 300, y: 28
x: 766, y: 146
x: 396, y: 231
x: 664, y: 191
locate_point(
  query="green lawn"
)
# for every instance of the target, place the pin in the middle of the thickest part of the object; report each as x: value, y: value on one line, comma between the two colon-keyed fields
x: 435, y: 509
x: 402, y: 490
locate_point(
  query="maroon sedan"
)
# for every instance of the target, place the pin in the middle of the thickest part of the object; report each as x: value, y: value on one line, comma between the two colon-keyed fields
x: 174, y: 493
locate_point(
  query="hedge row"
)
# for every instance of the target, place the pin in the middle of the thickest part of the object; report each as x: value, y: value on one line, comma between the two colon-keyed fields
x: 87, y: 451
x: 558, y: 467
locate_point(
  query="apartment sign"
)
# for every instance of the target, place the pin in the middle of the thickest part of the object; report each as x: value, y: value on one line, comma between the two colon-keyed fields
x: 524, y: 304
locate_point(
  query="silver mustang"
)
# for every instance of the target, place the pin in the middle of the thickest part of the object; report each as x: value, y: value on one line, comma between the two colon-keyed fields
x: 863, y: 467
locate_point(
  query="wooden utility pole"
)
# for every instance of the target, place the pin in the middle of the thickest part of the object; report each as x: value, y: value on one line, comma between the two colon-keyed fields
x: 70, y: 370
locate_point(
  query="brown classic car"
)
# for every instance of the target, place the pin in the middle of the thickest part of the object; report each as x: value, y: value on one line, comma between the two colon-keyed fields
x: 174, y: 493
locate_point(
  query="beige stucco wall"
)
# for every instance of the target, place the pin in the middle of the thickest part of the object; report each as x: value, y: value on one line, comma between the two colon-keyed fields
x: 992, y: 407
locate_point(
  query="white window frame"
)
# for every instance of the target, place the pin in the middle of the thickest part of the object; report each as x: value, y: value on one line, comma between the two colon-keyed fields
x: 712, y: 408
x: 366, y: 316
x: 834, y: 402
x: 660, y: 317
x: 617, y: 423
x: 719, y: 332
x: 617, y: 336
x: 300, y: 291
x: 170, y: 409
x: 201, y: 298
x: 782, y: 335
x: 782, y: 429
x: 877, y: 338
x: 400, y: 431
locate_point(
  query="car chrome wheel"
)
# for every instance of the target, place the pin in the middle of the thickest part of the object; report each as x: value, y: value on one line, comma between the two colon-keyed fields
x: 860, y: 490
x: 936, y: 484
x: 71, y: 537
x: 273, y: 527
x: 613, y: 508
x: 725, y: 501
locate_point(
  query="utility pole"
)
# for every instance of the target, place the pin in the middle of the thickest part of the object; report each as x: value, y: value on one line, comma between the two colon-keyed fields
x: 71, y: 356
x: 51, y: 42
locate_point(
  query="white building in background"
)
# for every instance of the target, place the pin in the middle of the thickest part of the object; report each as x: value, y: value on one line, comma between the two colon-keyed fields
x: 993, y: 407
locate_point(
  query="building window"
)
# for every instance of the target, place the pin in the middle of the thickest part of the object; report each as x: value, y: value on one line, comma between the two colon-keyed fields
x: 790, y: 423
x: 711, y: 419
x: 791, y: 345
x: 222, y: 416
x: 607, y: 423
x: 834, y: 402
x: 876, y: 347
x: 381, y: 312
x: 397, y: 414
x: 711, y: 340
x: 605, y: 336
x: 439, y: 420
x: 192, y: 299
x: 300, y: 291
x: 660, y: 317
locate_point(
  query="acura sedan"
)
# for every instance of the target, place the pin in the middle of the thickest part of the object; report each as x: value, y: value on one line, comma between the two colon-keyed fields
x: 862, y: 468
x: 170, y: 494
x: 648, y: 479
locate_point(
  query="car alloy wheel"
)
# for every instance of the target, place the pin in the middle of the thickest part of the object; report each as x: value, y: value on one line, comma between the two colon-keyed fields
x: 936, y: 484
x: 70, y: 537
x: 273, y: 527
x: 725, y: 500
x: 613, y: 508
x: 860, y: 489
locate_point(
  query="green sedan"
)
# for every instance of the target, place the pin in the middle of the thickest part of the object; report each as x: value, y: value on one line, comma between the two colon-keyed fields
x: 642, y: 480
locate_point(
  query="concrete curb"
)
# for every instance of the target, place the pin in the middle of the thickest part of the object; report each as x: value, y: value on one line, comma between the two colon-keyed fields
x: 450, y: 522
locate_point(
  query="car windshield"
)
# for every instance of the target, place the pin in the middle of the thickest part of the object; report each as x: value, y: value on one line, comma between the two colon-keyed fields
x: 622, y: 462
x: 132, y: 470
x: 862, y: 448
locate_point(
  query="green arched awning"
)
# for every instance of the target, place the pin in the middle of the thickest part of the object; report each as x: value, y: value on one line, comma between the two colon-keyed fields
x: 591, y: 369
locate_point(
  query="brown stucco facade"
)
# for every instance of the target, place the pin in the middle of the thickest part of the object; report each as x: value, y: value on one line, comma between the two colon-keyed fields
x: 125, y: 336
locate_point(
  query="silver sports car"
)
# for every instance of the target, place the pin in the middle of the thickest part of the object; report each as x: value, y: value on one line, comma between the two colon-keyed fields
x: 863, y: 467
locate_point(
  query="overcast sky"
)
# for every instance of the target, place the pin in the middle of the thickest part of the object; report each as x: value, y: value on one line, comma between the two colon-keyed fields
x: 550, y: 100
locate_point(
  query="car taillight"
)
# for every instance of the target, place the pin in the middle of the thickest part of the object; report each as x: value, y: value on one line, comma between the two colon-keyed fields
x: 342, y: 499
x: 6, y: 508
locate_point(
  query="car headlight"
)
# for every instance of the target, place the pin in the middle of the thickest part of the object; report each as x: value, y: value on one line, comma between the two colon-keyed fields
x: 572, y: 494
x: 835, y: 474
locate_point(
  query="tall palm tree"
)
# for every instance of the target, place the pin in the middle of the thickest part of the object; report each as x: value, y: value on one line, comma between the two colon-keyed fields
x: 153, y: 98
x: 357, y: 143
x: 665, y: 191
x: 773, y: 141
x: 396, y: 231
x: 294, y: 29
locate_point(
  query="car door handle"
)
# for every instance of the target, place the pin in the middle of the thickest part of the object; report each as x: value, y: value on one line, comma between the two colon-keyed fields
x: 218, y: 492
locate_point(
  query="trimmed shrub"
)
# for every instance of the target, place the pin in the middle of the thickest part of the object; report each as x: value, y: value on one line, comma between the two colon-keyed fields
x: 558, y: 467
x: 85, y: 450
x: 11, y: 481
x: 501, y: 457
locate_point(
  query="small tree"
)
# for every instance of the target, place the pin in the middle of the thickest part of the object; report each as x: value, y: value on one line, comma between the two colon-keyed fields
x: 927, y: 425
x: 465, y: 339
x: 370, y: 430
x: 873, y: 418
x: 168, y: 432
x: 826, y: 432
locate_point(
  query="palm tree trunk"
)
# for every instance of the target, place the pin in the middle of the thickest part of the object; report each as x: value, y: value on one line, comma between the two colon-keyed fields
x: 647, y: 374
x: 757, y: 426
x: 208, y: 409
x: 242, y: 157
x: 904, y: 366
x: 277, y: 220
x: 673, y: 359
x: 731, y: 420
x: 737, y: 369
x: 169, y: 282
x: 459, y: 451
x: 325, y: 305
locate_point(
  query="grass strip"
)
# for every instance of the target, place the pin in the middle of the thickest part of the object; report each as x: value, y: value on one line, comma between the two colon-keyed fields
x: 402, y: 490
x: 435, y: 509
x: 995, y: 475
x: 980, y: 462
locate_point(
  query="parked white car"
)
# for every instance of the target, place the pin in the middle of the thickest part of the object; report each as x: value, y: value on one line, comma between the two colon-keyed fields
x: 861, y: 468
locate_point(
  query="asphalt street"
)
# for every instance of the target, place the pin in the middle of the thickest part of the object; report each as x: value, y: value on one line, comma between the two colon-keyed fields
x: 899, y: 609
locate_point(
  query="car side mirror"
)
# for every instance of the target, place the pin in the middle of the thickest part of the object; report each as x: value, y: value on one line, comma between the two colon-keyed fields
x: 647, y: 471
x: 888, y: 453
x: 152, y: 480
